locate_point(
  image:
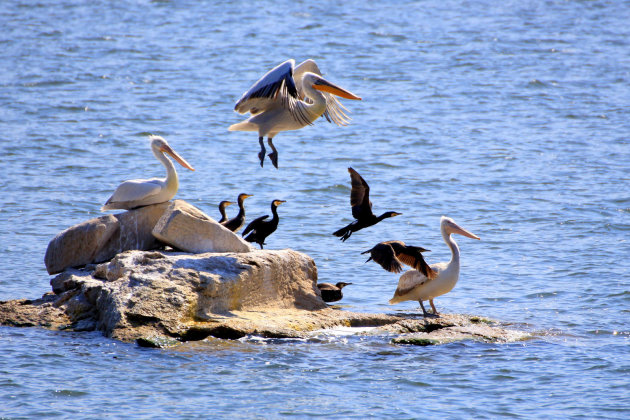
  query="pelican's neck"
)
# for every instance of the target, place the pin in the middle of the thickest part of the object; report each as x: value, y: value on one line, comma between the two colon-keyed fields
x: 448, y: 238
x: 171, y: 174
x: 317, y: 104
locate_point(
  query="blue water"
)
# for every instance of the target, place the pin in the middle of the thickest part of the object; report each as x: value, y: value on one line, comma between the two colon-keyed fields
x: 511, y: 117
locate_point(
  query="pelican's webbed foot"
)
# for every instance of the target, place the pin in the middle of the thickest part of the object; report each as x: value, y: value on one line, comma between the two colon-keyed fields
x: 261, y: 154
x: 274, y: 154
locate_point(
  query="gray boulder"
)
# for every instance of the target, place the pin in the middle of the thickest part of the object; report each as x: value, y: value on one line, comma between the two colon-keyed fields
x: 100, y: 239
x: 189, y: 229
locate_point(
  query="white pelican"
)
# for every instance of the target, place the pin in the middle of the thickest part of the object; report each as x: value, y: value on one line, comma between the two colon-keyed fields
x: 142, y: 192
x: 289, y: 98
x: 414, y: 285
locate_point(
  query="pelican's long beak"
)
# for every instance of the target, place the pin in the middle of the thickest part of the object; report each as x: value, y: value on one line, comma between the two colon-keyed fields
x: 464, y: 232
x: 326, y: 86
x: 167, y: 149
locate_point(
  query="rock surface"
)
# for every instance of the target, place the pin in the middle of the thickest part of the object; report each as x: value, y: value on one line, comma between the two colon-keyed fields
x: 176, y: 223
x: 161, y: 298
x: 189, y: 229
x: 100, y: 239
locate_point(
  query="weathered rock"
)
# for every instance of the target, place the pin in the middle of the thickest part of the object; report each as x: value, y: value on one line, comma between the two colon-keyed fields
x: 187, y: 228
x: 79, y: 244
x: 100, y: 239
x: 155, y: 298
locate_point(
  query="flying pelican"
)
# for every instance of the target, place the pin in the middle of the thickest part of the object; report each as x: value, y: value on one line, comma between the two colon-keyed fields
x: 414, y: 285
x: 289, y: 98
x: 390, y: 254
x: 361, y: 207
x: 261, y: 228
x: 331, y: 292
x: 222, y: 206
x: 142, y: 192
x: 237, y: 222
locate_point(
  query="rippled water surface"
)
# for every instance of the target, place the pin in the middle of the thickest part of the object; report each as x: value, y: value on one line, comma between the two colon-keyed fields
x: 511, y: 117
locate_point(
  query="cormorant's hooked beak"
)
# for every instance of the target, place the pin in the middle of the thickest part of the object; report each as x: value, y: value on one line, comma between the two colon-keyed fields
x: 326, y: 86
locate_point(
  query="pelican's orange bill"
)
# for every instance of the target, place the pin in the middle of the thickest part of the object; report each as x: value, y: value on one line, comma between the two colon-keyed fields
x: 178, y: 158
x: 326, y: 86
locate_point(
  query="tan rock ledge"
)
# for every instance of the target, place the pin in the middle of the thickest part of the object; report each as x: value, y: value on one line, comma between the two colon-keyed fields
x: 160, y: 299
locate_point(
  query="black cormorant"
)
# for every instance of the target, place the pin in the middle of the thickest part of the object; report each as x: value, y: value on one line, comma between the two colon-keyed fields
x: 261, y: 228
x: 235, y: 223
x: 361, y: 207
x: 390, y: 254
x: 331, y: 292
x: 222, y: 206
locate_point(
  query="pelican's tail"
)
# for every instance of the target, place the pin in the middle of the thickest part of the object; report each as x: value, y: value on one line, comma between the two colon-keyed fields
x: 395, y: 299
x: 243, y: 126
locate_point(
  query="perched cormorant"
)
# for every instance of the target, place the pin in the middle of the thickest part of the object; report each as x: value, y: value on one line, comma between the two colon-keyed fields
x: 361, y: 207
x: 222, y: 206
x: 235, y: 223
x: 390, y: 254
x: 331, y: 292
x: 261, y: 228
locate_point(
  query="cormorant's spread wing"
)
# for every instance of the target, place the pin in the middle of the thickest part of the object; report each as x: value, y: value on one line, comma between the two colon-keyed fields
x: 359, y: 196
x: 384, y: 255
x: 253, y: 225
x: 412, y: 256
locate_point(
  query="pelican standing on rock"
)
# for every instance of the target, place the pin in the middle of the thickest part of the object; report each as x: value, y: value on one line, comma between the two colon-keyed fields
x: 222, y: 206
x: 261, y: 228
x: 289, y: 98
x: 237, y: 222
x: 414, y: 285
x: 361, y: 207
x: 143, y: 192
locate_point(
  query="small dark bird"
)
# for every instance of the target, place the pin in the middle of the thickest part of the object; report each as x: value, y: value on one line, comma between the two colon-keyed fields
x: 261, y: 228
x: 331, y: 292
x: 235, y: 223
x: 391, y: 253
x: 361, y: 207
x: 222, y: 206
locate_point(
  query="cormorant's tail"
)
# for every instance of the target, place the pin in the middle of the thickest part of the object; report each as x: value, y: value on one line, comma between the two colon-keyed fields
x: 343, y: 233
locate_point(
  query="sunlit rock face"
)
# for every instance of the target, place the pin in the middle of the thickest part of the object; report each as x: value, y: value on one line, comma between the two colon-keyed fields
x: 100, y: 239
x: 177, y: 223
x: 142, y: 292
x: 187, y: 228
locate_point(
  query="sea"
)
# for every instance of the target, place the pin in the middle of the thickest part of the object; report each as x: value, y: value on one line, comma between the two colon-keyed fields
x: 511, y: 117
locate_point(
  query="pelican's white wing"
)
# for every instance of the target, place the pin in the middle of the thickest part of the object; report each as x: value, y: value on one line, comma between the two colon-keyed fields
x: 136, y: 189
x: 409, y: 280
x: 334, y: 109
x: 276, y: 85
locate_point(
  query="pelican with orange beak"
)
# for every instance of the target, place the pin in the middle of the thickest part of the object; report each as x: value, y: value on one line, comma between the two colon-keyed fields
x: 142, y: 192
x: 415, y: 285
x: 289, y: 98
